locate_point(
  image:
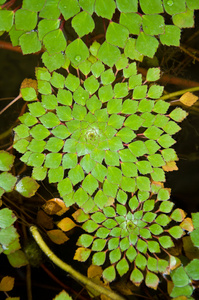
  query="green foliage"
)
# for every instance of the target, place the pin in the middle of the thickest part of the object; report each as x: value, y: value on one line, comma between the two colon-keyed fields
x: 104, y: 140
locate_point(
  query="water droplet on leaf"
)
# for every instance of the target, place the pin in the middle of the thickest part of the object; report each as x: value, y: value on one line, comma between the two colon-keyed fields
x: 78, y: 58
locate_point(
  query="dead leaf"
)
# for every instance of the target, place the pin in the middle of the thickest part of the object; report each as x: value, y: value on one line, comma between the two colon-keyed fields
x: 57, y: 236
x: 7, y: 284
x: 28, y: 82
x: 190, y: 250
x: 94, y: 271
x: 170, y: 166
x: 44, y: 220
x: 55, y: 206
x: 188, y: 99
x: 187, y: 224
x: 66, y: 224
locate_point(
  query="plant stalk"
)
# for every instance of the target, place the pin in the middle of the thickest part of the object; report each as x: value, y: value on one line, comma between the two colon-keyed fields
x: 67, y: 268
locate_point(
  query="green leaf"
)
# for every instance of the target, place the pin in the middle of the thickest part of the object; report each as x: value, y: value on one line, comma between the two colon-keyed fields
x: 156, y: 229
x: 151, y: 280
x: 146, y: 105
x: 36, y: 146
x: 178, y: 114
x: 176, y: 232
x: 148, y: 205
x: 166, y: 242
x: 100, y: 199
x: 80, y: 95
x: 174, y: 7
x: 163, y: 194
x: 33, y: 5
x: 44, y: 87
x: 161, y: 107
x: 153, y: 74
x: 39, y: 173
x: 6, y: 160
x: 138, y: 148
x: 90, y: 184
x: 97, y: 69
x: 90, y: 226
x: 36, y: 109
x: 151, y: 7
x: 127, y: 5
x: 185, y: 19
x: 153, y: 24
x: 98, y: 244
x: 60, y: 131
x: 129, y: 169
x: 114, y: 255
x: 155, y: 91
x: 76, y: 174
x: 63, y: 296
x: 6, y: 19
x: 166, y: 206
x: 143, y: 183
x: 140, y: 261
x: 141, y: 246
x: 105, y: 8
x: 17, y: 259
x: 129, y: 106
x: 130, y: 69
x: 87, y: 5
x: 182, y: 291
x: 128, y: 184
x: 28, y: 94
x: 25, y: 19
x: 130, y: 50
x: 53, y: 62
x: 82, y: 254
x: 171, y: 36
x: 77, y: 52
x: 120, y: 90
x: 134, y: 122
x: 50, y: 10
x: 166, y: 141
x: 169, y: 155
x: 109, y: 273
x: 109, y: 188
x: 36, y: 159
x: 27, y: 187
x: 136, y: 276
x: 105, y: 93
x: 83, y: 23
x: 156, y: 160
x: 57, y: 80
x: 153, y: 246
x: 108, y: 53
x: 114, y: 175
x: 91, y: 84
x: 7, y: 181
x: 192, y: 269
x: 49, y: 120
x: 179, y: 277
x: 7, y: 218
x: 69, y: 8
x: 192, y: 4
x: 150, y: 41
x: 113, y: 244
x: 144, y: 167
x: 102, y: 232
x: 65, y: 187
x: 116, y: 34
x: 153, y: 133
x: 132, y: 21
x: 139, y: 92
x: 163, y: 220
x: 195, y: 237
x: 122, y: 267
x: 49, y: 102
x: 29, y: 42
x: 195, y: 219
x: 98, y: 259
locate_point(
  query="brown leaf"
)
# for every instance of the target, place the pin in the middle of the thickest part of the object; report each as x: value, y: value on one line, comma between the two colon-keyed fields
x: 170, y: 166
x: 66, y: 224
x: 55, y: 206
x: 187, y: 224
x: 57, y: 236
x: 28, y: 82
x: 7, y: 284
x: 44, y: 220
x: 188, y: 99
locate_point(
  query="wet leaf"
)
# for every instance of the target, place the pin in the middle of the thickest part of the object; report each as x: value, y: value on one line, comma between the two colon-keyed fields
x: 7, y: 284
x: 66, y: 224
x: 57, y: 236
x: 55, y: 206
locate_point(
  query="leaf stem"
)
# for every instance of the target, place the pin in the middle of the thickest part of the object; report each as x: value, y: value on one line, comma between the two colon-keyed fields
x: 67, y: 268
x: 178, y: 93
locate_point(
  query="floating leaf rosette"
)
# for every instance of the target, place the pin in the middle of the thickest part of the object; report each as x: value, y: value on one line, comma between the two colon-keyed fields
x: 135, y: 231
x: 106, y: 143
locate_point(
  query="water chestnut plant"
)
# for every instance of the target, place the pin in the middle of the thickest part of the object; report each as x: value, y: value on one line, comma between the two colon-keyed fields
x: 102, y: 133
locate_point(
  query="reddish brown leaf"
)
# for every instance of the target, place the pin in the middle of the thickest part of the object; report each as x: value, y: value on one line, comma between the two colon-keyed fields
x: 57, y: 236
x: 44, y: 220
x: 55, y: 206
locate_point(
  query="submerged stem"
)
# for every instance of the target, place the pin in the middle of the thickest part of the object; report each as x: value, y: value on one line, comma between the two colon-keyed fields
x: 178, y: 93
x: 64, y: 266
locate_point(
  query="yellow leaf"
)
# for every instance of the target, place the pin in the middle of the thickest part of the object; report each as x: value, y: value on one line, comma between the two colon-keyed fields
x: 57, y: 236
x: 187, y: 224
x: 94, y: 271
x: 66, y: 224
x: 7, y: 284
x: 188, y: 99
x: 55, y: 206
x: 170, y: 166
